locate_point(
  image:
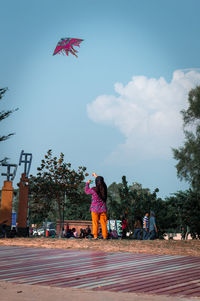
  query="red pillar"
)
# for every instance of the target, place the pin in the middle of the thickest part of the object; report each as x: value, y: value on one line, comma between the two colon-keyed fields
x: 23, y: 205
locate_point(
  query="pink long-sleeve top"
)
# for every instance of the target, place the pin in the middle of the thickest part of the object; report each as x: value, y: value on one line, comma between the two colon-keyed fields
x: 97, y: 204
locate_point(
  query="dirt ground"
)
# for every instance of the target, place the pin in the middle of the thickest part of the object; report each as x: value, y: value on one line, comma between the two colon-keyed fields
x: 25, y: 292
x: 168, y: 247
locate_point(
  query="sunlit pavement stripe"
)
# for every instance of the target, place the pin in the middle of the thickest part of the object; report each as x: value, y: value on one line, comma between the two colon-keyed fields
x: 61, y: 265
x: 115, y: 265
x: 99, y: 283
x: 90, y: 270
x: 38, y: 268
x: 69, y: 280
x: 125, y: 278
x: 177, y: 287
x: 161, y: 274
x: 164, y: 281
x: 140, y: 278
x: 84, y: 261
x: 120, y: 280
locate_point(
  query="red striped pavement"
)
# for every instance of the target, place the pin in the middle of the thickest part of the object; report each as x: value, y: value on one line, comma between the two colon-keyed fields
x: 119, y: 272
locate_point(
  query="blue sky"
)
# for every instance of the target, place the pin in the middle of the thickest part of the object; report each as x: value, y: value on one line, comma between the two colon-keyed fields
x: 115, y: 108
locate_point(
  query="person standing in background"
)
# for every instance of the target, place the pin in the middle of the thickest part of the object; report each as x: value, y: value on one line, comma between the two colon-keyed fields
x: 146, y: 226
x: 152, y: 226
x: 137, y: 229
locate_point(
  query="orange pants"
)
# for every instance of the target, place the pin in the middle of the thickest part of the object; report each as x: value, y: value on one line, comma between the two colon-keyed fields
x: 95, y: 222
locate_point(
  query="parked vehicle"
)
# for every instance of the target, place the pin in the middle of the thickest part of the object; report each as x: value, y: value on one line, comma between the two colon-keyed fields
x: 42, y: 232
x: 38, y: 232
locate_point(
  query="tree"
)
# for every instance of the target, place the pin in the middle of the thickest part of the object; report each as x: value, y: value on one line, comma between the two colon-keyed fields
x: 5, y: 114
x: 180, y: 210
x: 134, y: 201
x: 185, y: 206
x: 188, y: 156
x: 54, y: 186
x: 113, y: 201
x: 79, y: 207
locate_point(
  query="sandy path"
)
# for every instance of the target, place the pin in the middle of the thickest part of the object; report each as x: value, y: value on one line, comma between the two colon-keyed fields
x: 191, y: 247
x: 24, y: 292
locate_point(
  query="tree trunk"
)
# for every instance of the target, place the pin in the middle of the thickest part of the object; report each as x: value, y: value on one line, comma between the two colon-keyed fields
x: 60, y: 218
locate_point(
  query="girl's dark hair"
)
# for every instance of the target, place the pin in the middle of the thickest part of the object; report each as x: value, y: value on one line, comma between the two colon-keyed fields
x: 101, y: 188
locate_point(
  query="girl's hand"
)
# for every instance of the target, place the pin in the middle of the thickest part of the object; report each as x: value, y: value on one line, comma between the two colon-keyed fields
x: 94, y: 174
x: 89, y: 181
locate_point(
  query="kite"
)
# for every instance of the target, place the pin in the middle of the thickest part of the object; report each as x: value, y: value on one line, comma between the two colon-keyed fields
x: 66, y: 45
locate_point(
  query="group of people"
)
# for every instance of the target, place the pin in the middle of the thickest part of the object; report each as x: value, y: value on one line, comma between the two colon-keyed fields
x: 72, y: 233
x: 147, y: 228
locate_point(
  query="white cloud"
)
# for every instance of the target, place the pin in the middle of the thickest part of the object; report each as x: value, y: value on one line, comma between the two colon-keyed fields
x: 147, y: 113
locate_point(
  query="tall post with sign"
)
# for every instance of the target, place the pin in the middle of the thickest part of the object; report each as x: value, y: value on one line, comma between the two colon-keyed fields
x: 7, y: 197
x: 25, y: 158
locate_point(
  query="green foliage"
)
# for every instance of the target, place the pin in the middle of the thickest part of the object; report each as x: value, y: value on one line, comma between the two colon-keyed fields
x: 188, y: 156
x: 54, y: 187
x: 4, y: 115
x: 192, y: 114
x: 113, y: 201
x: 78, y: 208
x: 132, y: 201
x: 186, y: 210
